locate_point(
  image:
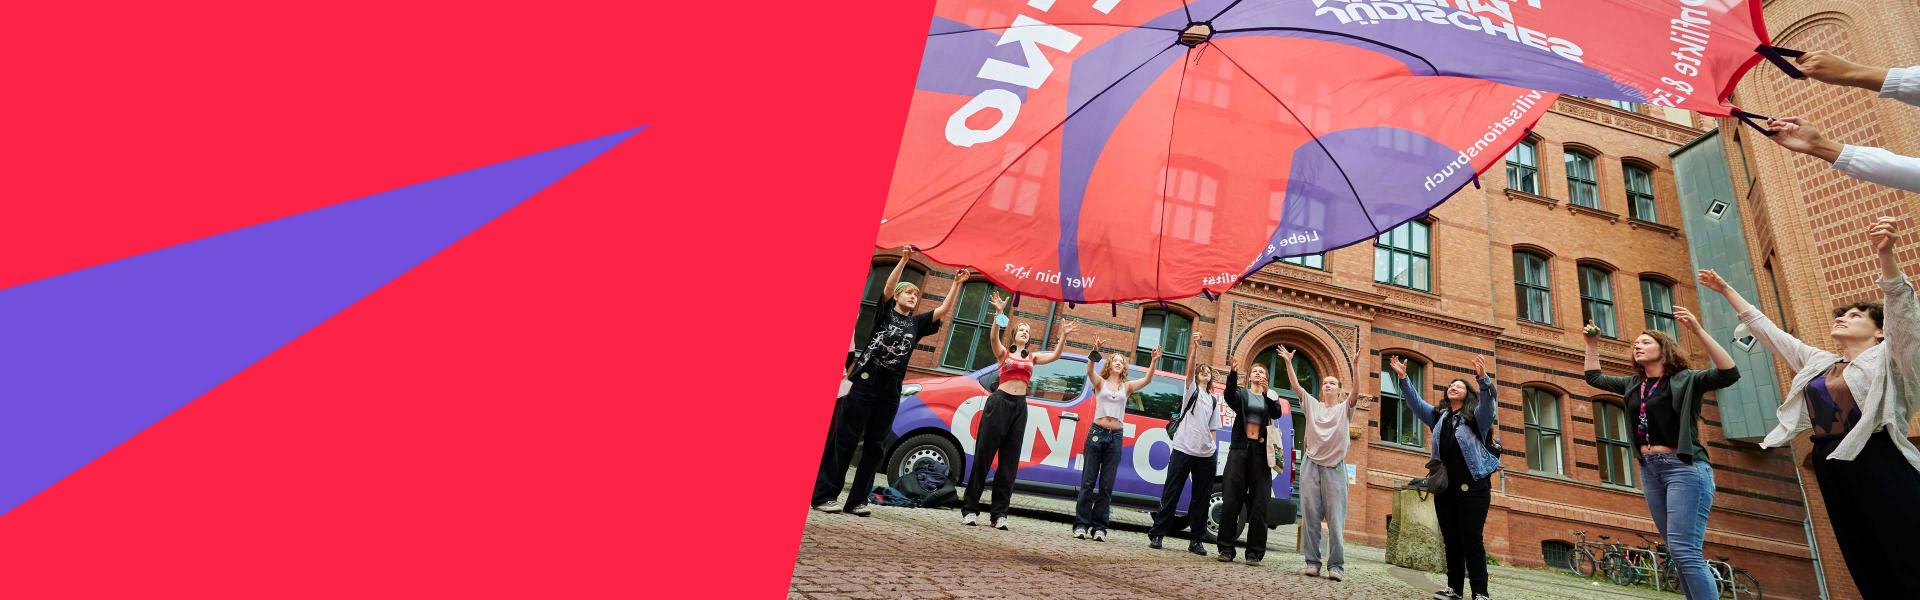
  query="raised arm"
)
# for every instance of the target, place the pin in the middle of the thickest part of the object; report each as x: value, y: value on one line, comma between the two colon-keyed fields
x: 1827, y: 68
x: 1293, y: 379
x: 1782, y: 344
x: 1591, y: 362
x: 1153, y: 367
x: 1193, y: 348
x: 1409, y: 394
x: 1865, y: 163
x: 1093, y: 360
x: 1725, y: 372
x: 1489, y: 397
x: 999, y: 310
x: 953, y: 296
x: 1902, y: 311
x: 1041, y: 358
x: 899, y: 268
x: 1236, y: 402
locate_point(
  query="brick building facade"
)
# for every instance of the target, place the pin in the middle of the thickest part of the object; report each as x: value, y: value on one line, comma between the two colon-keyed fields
x: 1619, y: 250
x: 1806, y: 222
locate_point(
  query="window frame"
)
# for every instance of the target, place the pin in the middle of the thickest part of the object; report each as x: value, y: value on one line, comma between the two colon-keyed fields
x: 1524, y: 290
x: 1635, y: 197
x: 1393, y: 251
x: 1318, y: 260
x: 1522, y: 171
x: 1609, y: 449
x: 1170, y: 360
x: 981, y: 327
x: 1591, y: 182
x: 1536, y: 430
x: 1395, y: 411
x: 1654, y: 318
x: 1609, y: 327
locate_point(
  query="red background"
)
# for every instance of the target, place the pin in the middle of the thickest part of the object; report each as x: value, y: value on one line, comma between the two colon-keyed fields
x: 582, y: 399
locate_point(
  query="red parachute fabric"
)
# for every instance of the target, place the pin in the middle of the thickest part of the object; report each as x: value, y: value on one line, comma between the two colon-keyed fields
x: 1105, y: 150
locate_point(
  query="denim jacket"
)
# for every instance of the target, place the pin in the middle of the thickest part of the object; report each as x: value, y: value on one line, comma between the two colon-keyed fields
x: 1480, y: 461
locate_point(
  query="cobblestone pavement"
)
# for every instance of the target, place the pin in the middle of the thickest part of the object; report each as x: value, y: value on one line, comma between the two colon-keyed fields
x: 927, y: 553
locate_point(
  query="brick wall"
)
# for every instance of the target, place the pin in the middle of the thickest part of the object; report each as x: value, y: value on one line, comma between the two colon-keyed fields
x: 1340, y: 314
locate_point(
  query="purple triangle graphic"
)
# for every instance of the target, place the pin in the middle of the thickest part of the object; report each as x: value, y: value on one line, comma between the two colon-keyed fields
x: 91, y: 358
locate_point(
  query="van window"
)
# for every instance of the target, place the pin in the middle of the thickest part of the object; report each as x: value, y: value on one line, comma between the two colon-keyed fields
x: 1057, y: 381
x: 1159, y: 400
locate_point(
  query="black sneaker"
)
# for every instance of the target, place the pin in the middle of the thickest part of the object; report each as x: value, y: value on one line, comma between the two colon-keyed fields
x: 1153, y: 541
x: 1446, y: 595
x: 1253, y: 561
x: 1197, y: 548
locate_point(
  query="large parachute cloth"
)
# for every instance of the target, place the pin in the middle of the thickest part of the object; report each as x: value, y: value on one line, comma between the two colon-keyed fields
x: 1104, y: 150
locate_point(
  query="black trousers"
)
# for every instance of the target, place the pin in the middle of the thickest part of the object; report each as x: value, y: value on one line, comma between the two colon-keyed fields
x: 1871, y: 501
x: 1249, y: 486
x: 1463, y: 523
x: 865, y: 416
x: 1183, y: 468
x: 1003, y: 431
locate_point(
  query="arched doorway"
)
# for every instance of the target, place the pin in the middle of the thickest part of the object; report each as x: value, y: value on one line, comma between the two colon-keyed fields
x: 1311, y: 359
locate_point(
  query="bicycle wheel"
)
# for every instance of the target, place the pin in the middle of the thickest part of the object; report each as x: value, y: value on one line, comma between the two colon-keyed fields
x: 1619, y: 571
x: 1580, y: 562
x: 1669, y: 578
x: 1745, y: 587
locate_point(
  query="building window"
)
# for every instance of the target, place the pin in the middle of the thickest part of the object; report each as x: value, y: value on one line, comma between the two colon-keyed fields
x: 1311, y: 261
x: 1164, y: 329
x: 870, y: 298
x: 1616, y: 452
x: 1583, y: 188
x: 1596, y: 299
x: 1523, y: 167
x: 1632, y: 107
x: 1018, y: 188
x: 1640, y: 195
x: 1533, y: 288
x: 1397, y: 424
x: 1401, y: 257
x: 1188, y: 210
x: 1302, y: 367
x: 1542, y: 410
x: 1658, y: 299
x: 970, y: 339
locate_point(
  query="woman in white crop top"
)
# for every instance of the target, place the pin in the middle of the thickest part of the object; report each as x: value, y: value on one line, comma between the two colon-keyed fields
x: 1100, y: 453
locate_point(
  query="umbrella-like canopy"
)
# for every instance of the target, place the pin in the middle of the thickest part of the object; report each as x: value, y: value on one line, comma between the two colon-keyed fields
x: 1097, y: 150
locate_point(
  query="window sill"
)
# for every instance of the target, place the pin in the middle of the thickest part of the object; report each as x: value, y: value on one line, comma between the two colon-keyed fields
x: 1671, y: 231
x: 1399, y: 446
x: 1513, y: 194
x: 1384, y: 288
x: 1593, y: 212
x: 1538, y: 330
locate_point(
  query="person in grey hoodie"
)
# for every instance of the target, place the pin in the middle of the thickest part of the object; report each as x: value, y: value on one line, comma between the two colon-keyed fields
x: 1323, y: 480
x: 1865, y: 163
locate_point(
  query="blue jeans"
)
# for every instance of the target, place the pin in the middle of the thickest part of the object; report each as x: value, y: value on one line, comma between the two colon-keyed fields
x: 1099, y: 464
x: 1679, y: 496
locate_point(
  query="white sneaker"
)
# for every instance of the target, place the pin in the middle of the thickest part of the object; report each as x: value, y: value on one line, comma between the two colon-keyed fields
x: 1100, y: 535
x: 969, y: 519
x: 828, y: 506
x: 1336, y: 574
x: 863, y: 510
x: 1310, y: 571
x: 1079, y: 534
x: 1000, y: 523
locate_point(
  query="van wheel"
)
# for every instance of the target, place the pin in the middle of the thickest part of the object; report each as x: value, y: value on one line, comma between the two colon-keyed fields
x: 1216, y: 505
x: 909, y: 455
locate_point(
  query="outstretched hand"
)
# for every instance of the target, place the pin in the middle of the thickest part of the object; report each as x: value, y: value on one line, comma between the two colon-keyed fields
x: 999, y: 303
x: 1798, y: 135
x: 1399, y: 366
x: 1882, y: 235
x: 1685, y: 317
x: 1712, y: 281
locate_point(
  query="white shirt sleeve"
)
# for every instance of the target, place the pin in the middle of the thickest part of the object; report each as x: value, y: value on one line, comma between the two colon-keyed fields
x: 1903, y: 85
x: 1877, y: 165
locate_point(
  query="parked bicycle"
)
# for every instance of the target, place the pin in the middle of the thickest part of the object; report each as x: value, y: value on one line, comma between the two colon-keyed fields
x: 1582, y: 560
x: 1634, y: 565
x: 1734, y: 582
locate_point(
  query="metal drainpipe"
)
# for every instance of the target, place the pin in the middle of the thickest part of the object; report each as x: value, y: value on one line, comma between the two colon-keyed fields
x: 1813, y: 544
x: 1493, y: 291
x: 1048, y: 335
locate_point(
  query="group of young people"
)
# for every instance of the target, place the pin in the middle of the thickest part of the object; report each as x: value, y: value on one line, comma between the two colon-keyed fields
x: 1857, y: 403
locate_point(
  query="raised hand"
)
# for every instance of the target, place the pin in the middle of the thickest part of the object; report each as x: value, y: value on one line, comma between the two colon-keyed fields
x: 999, y: 302
x: 1827, y: 68
x: 1285, y: 354
x: 1066, y: 330
x: 1798, y: 135
x: 1153, y: 362
x: 906, y: 251
x: 1592, y: 331
x: 1479, y: 368
x: 962, y: 276
x: 1712, y: 281
x: 1399, y: 366
x: 1685, y: 317
x: 1882, y: 234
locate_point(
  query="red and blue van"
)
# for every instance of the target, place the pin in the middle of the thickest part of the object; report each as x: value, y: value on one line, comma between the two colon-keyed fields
x: 939, y: 418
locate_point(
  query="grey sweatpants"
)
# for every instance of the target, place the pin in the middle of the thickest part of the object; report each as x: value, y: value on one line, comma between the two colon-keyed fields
x: 1324, y: 490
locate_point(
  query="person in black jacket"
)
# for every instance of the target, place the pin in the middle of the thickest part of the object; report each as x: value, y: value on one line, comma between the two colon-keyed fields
x: 1249, y: 482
